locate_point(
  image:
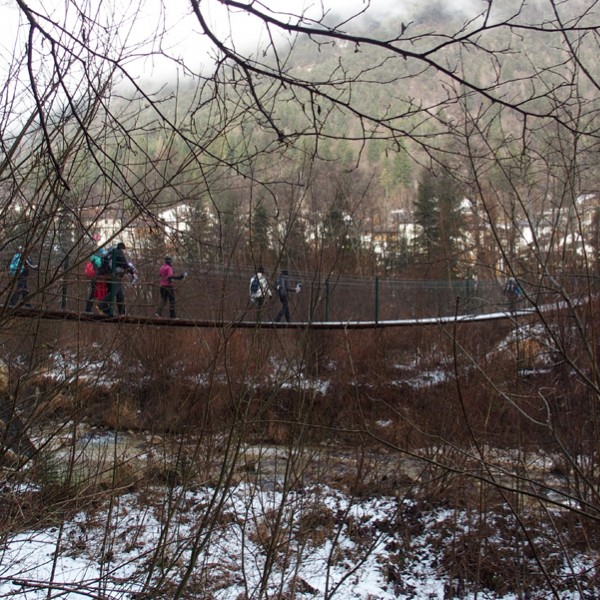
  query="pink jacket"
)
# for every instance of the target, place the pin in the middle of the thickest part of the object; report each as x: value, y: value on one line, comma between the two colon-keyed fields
x: 166, y: 272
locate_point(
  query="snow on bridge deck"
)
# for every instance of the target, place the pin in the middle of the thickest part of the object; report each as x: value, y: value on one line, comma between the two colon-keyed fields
x: 41, y: 313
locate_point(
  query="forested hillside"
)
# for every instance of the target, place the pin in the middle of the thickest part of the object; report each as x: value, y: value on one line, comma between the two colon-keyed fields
x: 270, y: 170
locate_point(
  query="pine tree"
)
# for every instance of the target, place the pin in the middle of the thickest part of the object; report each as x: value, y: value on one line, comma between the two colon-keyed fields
x: 259, y: 231
x: 438, y: 212
x: 427, y: 214
x: 402, y: 168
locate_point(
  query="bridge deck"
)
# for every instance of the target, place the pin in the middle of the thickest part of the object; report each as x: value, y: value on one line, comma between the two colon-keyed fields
x: 65, y: 315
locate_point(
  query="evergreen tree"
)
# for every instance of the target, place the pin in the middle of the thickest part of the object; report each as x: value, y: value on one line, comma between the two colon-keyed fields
x: 335, y: 227
x: 450, y: 221
x: 374, y: 151
x: 344, y: 152
x: 438, y: 212
x: 259, y: 231
x: 199, y: 244
x: 396, y: 172
x: 402, y: 168
x: 427, y: 214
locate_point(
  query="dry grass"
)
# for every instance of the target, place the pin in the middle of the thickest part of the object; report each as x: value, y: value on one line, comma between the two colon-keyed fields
x: 356, y: 411
x: 174, y: 381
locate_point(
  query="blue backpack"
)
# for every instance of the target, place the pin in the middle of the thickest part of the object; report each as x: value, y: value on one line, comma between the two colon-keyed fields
x: 254, y: 285
x: 15, y: 264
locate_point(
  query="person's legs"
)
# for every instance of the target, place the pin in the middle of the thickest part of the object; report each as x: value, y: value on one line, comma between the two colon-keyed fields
x: 279, y: 314
x: 163, y: 301
x: 24, y: 290
x: 14, y: 298
x: 21, y: 292
x: 92, y: 296
x: 286, y: 310
x: 103, y: 295
x: 259, y: 303
x: 171, y: 296
x: 120, y: 298
x: 106, y: 296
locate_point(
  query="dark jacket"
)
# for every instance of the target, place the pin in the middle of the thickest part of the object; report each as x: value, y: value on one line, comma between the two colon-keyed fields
x: 283, y: 286
x: 121, y: 262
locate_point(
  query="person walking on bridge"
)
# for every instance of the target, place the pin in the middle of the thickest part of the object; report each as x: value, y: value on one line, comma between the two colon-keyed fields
x: 115, y: 265
x: 259, y: 288
x: 283, y: 289
x: 92, y: 266
x: 167, y: 291
x: 20, y: 266
x: 513, y: 293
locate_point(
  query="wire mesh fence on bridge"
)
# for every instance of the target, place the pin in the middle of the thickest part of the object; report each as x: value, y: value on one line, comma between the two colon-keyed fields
x: 221, y: 294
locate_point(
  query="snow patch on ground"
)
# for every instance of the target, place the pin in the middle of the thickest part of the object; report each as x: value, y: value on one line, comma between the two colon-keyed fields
x: 348, y: 548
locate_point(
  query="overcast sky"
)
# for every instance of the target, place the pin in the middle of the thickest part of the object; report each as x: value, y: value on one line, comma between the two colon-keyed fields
x: 248, y: 33
x: 182, y: 39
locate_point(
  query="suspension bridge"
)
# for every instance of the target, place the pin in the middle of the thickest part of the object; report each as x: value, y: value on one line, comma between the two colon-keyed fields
x: 218, y: 297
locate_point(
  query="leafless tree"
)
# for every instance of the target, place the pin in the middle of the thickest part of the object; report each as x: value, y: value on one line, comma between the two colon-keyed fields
x: 120, y: 111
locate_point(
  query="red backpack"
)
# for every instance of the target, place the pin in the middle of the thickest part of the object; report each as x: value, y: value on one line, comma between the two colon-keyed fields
x: 89, y: 270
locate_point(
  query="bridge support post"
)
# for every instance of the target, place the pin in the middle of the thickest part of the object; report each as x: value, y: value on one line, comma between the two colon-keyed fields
x: 376, y: 299
x: 64, y: 291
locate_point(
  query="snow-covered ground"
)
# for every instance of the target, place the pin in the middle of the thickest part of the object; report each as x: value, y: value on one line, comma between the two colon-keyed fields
x: 110, y: 554
x: 327, y: 545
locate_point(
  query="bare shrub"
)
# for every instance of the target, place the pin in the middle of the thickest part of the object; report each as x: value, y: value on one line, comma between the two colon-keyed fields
x: 121, y: 412
x: 270, y: 533
x: 492, y: 552
x: 315, y: 524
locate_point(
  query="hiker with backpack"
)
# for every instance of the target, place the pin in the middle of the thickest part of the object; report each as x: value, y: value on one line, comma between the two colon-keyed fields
x: 167, y: 291
x: 259, y: 288
x: 19, y: 267
x: 513, y: 293
x: 115, y: 265
x: 283, y: 288
x: 90, y: 270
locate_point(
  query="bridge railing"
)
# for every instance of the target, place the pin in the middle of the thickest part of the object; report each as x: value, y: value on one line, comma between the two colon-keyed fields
x: 212, y: 296
x: 222, y: 294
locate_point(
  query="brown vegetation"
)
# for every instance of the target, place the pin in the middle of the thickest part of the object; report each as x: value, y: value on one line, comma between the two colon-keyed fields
x: 449, y: 417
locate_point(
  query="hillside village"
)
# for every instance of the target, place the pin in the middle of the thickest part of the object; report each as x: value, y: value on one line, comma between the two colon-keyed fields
x: 384, y: 236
